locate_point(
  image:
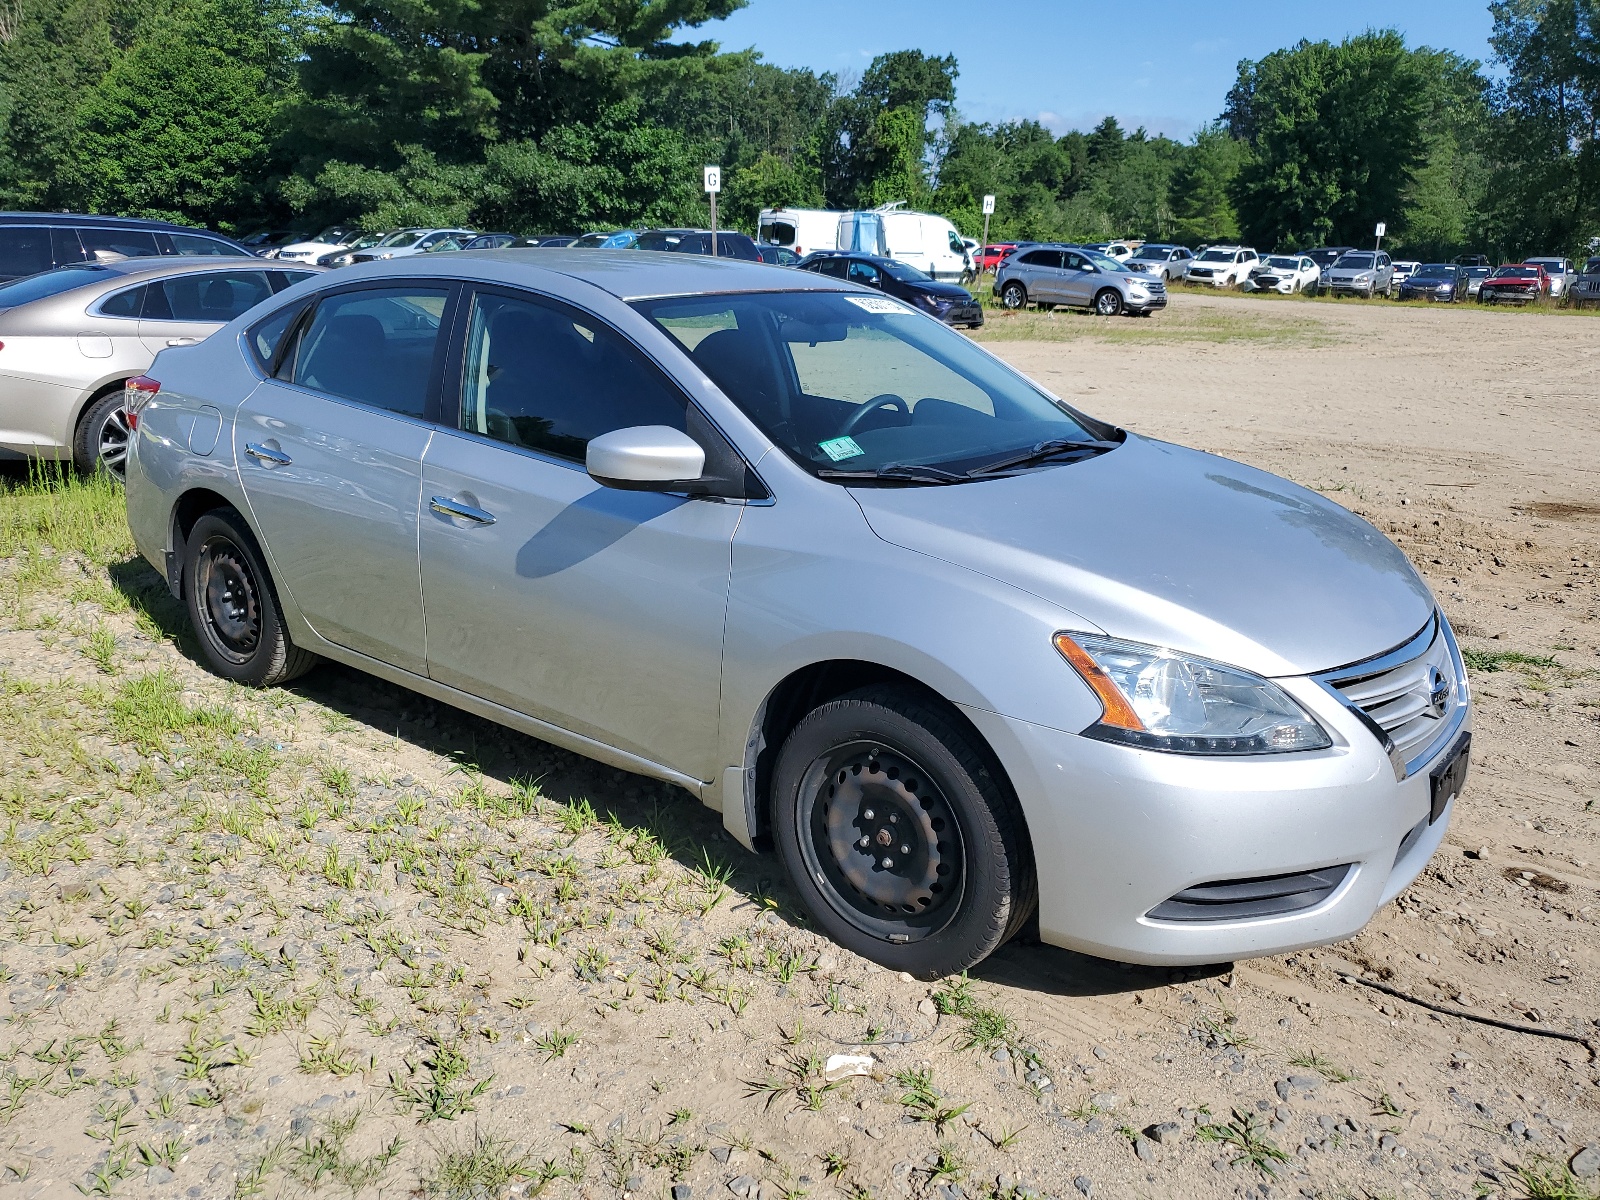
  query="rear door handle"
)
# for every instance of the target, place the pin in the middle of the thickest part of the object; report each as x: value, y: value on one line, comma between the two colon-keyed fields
x: 183, y: 341
x: 454, y: 508
x: 267, y: 457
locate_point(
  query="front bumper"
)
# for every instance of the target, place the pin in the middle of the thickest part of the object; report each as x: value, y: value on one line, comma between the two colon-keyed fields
x: 963, y: 314
x: 1117, y: 831
x: 1150, y: 303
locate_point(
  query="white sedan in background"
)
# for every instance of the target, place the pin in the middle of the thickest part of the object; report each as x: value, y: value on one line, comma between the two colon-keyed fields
x: 1286, y: 273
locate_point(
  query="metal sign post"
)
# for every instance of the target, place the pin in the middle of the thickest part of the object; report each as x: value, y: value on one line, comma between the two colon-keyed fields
x: 713, y: 186
x: 988, y: 211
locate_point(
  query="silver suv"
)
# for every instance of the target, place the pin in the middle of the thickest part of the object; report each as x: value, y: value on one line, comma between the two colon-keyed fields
x: 1364, y: 273
x: 1076, y: 276
x: 960, y: 650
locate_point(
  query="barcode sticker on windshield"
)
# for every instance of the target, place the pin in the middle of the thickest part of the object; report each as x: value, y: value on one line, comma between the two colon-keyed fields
x: 840, y: 448
x: 879, y: 304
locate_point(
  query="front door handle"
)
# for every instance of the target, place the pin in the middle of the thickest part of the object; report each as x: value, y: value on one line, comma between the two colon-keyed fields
x: 183, y: 341
x: 454, y: 508
x: 267, y: 457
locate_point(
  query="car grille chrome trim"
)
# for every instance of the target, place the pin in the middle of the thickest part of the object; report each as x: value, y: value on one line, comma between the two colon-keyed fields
x: 1413, y: 698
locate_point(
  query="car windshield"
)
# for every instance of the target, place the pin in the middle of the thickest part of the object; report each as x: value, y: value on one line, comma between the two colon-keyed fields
x: 855, y: 383
x: 1153, y: 252
x: 366, y: 241
x: 1283, y: 264
x: 403, y: 237
x: 333, y: 233
x: 591, y: 240
x: 50, y: 283
x: 1106, y: 263
x: 1478, y: 272
x: 1513, y: 273
x: 1434, y: 271
x: 905, y: 272
x: 1355, y: 262
x: 1590, y: 267
x: 1217, y: 256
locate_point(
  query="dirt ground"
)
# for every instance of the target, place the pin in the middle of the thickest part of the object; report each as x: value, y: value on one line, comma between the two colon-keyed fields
x: 339, y: 939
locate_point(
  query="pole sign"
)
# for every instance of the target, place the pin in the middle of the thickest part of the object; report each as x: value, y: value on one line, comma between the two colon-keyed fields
x: 713, y: 179
x: 988, y: 206
x: 1382, y: 229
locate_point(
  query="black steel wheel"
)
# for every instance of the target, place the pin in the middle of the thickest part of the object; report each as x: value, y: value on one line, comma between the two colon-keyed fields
x: 102, y: 438
x: 1013, y: 296
x: 233, y: 607
x: 900, y: 835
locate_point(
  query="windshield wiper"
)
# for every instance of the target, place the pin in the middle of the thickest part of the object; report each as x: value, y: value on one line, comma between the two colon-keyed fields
x: 898, y: 472
x: 1043, y: 452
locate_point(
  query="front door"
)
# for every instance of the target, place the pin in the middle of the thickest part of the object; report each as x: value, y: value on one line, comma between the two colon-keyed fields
x: 1077, y: 280
x: 597, y: 610
x: 330, y: 456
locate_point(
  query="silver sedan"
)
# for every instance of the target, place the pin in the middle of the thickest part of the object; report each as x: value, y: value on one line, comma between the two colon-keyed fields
x: 70, y: 337
x: 959, y: 650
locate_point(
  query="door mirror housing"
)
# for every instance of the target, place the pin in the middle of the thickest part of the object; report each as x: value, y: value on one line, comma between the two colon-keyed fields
x: 646, y: 458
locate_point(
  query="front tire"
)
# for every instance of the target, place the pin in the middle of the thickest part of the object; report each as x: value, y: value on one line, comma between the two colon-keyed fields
x: 902, y: 842
x: 102, y: 438
x: 233, y: 607
x: 1014, y: 296
x: 1108, y: 303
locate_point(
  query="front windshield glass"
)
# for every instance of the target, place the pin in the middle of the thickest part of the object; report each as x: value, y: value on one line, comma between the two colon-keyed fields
x: 1513, y: 273
x: 860, y: 383
x: 1355, y: 262
x: 905, y: 272
x: 1106, y: 263
x: 1434, y: 271
x: 1284, y: 264
x: 332, y: 234
x: 1217, y: 256
x: 1149, y: 253
x: 50, y: 283
x: 403, y: 237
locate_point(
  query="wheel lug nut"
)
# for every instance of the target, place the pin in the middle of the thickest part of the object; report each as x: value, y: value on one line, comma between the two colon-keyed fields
x: 887, y: 863
x: 867, y: 815
x: 905, y: 849
x: 893, y: 818
x: 864, y: 843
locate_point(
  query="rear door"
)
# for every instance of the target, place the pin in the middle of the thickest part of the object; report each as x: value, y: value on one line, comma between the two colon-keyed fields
x: 184, y: 309
x: 330, y: 456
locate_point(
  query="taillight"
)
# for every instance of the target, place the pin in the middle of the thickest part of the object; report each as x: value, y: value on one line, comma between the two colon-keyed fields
x: 136, y: 393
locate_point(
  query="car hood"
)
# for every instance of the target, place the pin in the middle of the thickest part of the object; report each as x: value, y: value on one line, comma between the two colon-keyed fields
x: 949, y: 291
x: 1160, y: 544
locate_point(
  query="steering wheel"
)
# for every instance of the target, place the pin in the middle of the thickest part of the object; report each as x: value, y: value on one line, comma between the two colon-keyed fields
x: 887, y: 400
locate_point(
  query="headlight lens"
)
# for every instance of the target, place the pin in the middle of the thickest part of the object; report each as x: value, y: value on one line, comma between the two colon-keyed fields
x: 1160, y: 700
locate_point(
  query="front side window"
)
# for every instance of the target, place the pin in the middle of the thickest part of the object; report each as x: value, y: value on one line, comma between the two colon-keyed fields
x: 543, y: 377
x: 373, y: 346
x: 858, y: 383
x: 117, y: 243
x: 194, y: 243
x: 834, y: 267
x: 955, y: 243
x: 866, y: 273
x: 215, y: 296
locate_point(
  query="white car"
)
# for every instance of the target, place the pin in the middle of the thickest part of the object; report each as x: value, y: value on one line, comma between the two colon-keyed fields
x: 1402, y: 272
x: 1223, y: 266
x: 1116, y: 250
x: 1286, y: 273
x: 334, y: 237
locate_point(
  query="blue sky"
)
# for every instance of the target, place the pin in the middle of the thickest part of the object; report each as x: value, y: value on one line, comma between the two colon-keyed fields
x: 1163, y: 64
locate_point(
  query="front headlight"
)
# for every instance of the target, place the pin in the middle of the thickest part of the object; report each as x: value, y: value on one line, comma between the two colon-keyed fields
x: 1158, y: 699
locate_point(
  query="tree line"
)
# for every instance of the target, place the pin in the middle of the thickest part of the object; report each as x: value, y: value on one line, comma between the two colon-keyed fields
x: 544, y: 115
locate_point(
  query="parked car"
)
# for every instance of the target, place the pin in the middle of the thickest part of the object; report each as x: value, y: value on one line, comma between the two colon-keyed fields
x: 546, y: 241
x: 1445, y: 282
x: 1222, y: 266
x: 34, y: 242
x: 1586, y: 290
x: 926, y: 241
x: 342, y: 256
x: 1073, y: 275
x: 69, y: 337
x: 730, y: 244
x: 403, y: 243
x: 1471, y: 260
x: 621, y: 239
x: 334, y: 237
x: 1325, y: 257
x: 260, y: 241
x: 1475, y: 278
x: 1117, y: 250
x: 1558, y: 274
x: 952, y: 304
x: 988, y: 257
x: 1361, y: 273
x: 1286, y: 273
x: 1402, y: 272
x: 1187, y: 711
x: 488, y: 241
x: 779, y: 256
x: 1514, y: 283
x: 1161, y: 258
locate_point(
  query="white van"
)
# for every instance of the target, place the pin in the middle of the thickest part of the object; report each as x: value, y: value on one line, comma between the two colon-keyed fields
x: 922, y: 240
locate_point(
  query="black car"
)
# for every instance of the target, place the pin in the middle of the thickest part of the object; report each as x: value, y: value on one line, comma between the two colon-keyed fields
x: 698, y: 241
x: 1470, y: 260
x: 778, y: 256
x: 550, y: 241
x: 1586, y: 290
x: 34, y: 242
x: 951, y: 304
x: 1446, y: 282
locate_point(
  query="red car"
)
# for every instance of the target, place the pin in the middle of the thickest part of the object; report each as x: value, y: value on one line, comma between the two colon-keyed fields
x: 1515, y: 283
x: 989, y: 257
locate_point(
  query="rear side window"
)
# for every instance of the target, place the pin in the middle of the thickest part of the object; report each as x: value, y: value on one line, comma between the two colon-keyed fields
x: 287, y: 279
x: 217, y: 296
x: 126, y: 243
x: 196, y: 243
x: 374, y: 346
x: 1042, y: 258
x: 543, y: 378
x: 24, y: 250
x: 123, y: 304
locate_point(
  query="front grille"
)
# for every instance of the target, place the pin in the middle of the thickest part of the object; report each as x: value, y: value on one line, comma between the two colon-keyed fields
x: 1242, y: 899
x: 1414, y: 694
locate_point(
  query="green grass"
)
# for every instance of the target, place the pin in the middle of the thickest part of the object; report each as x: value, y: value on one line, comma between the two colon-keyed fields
x: 57, y: 510
x: 1550, y: 1179
x: 1176, y: 324
x: 1499, y: 660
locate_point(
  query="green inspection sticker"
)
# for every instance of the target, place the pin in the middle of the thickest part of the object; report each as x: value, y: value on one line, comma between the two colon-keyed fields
x: 840, y: 448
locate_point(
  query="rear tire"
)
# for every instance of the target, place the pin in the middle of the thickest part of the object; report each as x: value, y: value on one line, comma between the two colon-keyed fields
x: 102, y: 437
x: 1014, y: 296
x: 233, y: 607
x: 902, y: 841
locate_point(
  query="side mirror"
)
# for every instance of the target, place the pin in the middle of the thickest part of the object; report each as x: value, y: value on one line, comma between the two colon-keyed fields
x: 645, y: 458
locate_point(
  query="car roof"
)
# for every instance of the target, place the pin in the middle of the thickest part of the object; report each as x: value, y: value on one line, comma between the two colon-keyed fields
x: 38, y: 218
x: 625, y: 274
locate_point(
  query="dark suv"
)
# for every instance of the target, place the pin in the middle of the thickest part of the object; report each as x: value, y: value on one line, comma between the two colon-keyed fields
x: 34, y: 242
x: 730, y: 244
x: 949, y: 302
